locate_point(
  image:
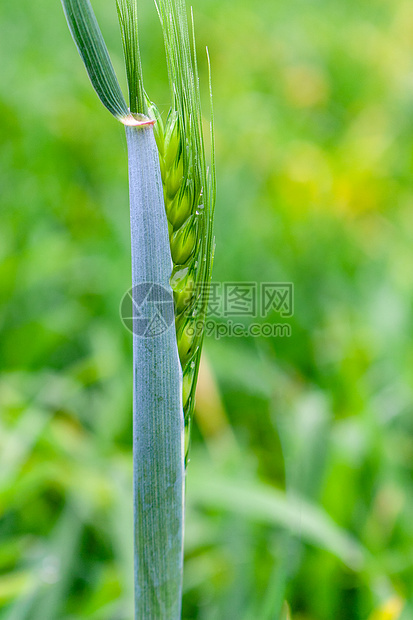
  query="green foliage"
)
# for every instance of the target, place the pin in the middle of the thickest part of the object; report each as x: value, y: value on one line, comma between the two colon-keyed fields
x: 314, y: 132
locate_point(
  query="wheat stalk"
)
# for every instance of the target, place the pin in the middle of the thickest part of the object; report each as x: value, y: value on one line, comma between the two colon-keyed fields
x: 172, y: 196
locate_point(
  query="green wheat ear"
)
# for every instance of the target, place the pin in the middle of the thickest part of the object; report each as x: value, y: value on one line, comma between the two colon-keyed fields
x: 188, y: 181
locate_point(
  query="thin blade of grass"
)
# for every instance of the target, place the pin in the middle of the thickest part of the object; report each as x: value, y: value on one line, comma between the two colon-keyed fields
x: 17, y: 444
x: 20, y: 609
x: 128, y: 20
x: 64, y: 550
x: 47, y: 600
x: 94, y: 53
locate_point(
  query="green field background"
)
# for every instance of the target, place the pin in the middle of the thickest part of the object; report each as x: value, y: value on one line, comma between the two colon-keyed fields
x: 300, y: 479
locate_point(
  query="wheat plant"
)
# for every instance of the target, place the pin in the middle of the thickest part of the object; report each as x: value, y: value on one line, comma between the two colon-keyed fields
x: 172, y: 196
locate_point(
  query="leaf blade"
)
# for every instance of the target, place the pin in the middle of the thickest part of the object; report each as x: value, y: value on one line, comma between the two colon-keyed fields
x: 94, y: 53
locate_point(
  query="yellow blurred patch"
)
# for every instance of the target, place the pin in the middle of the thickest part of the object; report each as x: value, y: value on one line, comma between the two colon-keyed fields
x: 13, y: 585
x: 305, y: 86
x: 390, y: 610
x: 305, y: 177
x: 285, y: 612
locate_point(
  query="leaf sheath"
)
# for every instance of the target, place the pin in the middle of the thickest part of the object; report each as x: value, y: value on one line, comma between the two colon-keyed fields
x: 158, y: 425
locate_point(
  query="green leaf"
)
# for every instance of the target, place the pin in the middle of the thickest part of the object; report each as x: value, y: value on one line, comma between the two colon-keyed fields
x: 265, y: 504
x: 92, y: 48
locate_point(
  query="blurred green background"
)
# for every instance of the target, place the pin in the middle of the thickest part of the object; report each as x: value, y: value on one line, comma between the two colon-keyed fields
x: 300, y: 482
